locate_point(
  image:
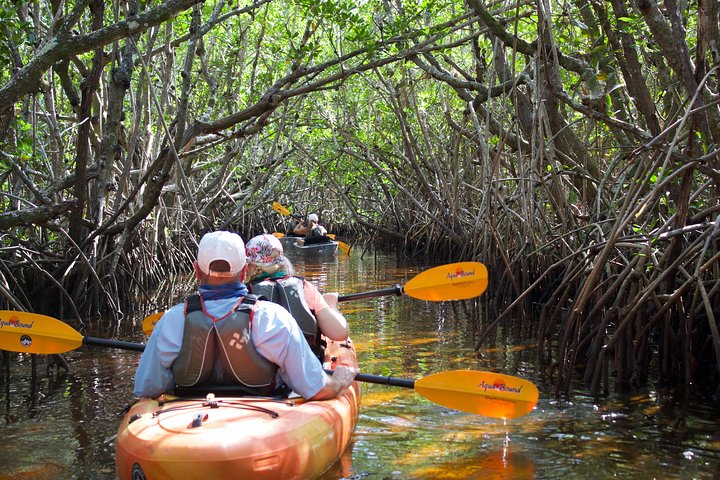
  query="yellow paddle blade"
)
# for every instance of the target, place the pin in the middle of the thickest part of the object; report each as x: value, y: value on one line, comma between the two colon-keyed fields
x: 35, y: 333
x: 344, y: 247
x: 341, y: 245
x: 484, y: 393
x: 278, y: 235
x: 148, y: 323
x: 455, y: 281
x: 280, y: 209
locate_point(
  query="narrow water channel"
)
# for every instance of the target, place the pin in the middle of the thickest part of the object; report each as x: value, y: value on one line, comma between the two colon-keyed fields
x: 65, y: 427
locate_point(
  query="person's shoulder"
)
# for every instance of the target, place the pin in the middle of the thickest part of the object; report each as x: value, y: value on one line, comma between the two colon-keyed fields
x: 175, y: 311
x: 266, y: 306
x: 271, y: 310
x: 271, y: 317
x: 170, y: 319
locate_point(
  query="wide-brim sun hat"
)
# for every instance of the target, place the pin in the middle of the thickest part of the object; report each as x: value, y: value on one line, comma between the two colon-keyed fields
x: 221, y: 245
x: 265, y: 251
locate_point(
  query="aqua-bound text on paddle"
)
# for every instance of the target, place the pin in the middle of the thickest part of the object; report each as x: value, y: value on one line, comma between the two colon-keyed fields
x: 500, y: 387
x: 460, y: 274
x: 16, y: 323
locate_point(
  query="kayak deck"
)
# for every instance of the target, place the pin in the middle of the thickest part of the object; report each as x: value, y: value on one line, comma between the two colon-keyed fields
x: 288, y: 241
x: 238, y: 437
x: 325, y: 249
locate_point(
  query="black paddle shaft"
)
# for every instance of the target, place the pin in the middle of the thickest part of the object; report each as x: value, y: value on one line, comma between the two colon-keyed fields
x: 105, y: 342
x: 361, y: 377
x: 382, y: 380
x: 396, y: 290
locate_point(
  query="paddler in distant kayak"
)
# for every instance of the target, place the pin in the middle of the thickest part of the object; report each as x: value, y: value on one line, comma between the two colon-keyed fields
x: 313, y: 231
x: 223, y: 336
x: 314, y: 228
x: 301, y: 229
x: 271, y: 275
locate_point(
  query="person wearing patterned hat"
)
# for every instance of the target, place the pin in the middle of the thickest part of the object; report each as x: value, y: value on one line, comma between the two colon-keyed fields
x: 271, y: 275
x: 189, y: 348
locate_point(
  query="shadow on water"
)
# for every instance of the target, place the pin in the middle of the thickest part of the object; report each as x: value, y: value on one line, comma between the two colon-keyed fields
x: 64, y: 426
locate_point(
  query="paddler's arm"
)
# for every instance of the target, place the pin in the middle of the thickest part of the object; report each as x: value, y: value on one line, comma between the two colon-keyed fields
x: 332, y: 323
x: 300, y: 228
x: 341, y: 379
x: 277, y: 337
x: 154, y: 375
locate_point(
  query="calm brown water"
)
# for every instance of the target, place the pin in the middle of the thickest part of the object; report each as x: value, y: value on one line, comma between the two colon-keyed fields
x: 66, y: 427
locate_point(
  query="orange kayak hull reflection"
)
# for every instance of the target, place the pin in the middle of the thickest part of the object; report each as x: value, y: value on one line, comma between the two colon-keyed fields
x: 238, y: 437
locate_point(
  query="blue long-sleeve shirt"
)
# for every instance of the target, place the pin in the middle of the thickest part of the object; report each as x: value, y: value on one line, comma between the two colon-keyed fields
x: 275, y: 335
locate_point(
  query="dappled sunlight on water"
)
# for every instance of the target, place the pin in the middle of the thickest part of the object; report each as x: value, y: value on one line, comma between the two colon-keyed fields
x: 421, y: 341
x: 66, y: 427
x: 381, y: 396
x: 36, y: 471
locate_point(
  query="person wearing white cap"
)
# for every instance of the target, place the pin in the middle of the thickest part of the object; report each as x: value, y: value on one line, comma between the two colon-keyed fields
x: 312, y: 229
x: 315, y: 230
x: 210, y: 339
x: 271, y: 275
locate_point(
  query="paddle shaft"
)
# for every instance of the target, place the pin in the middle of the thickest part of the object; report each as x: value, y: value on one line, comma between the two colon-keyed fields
x: 105, y: 342
x: 439, y: 284
x: 485, y: 393
x: 382, y: 380
x: 396, y: 290
x: 384, y: 292
x: 361, y: 377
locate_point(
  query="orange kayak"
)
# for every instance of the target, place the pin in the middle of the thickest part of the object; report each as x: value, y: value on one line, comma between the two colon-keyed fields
x: 238, y: 437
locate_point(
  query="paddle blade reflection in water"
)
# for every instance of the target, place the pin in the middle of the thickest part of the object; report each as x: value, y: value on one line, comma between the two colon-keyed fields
x: 491, y: 464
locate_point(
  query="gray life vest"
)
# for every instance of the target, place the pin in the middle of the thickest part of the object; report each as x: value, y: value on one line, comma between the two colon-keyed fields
x: 219, y: 351
x: 290, y: 293
x: 317, y: 231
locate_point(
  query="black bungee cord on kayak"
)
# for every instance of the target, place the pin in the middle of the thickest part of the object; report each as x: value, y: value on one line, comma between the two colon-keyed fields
x: 213, y: 402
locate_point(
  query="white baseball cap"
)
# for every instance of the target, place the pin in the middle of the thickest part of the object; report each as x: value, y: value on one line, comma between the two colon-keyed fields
x: 313, y: 217
x: 221, y: 245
